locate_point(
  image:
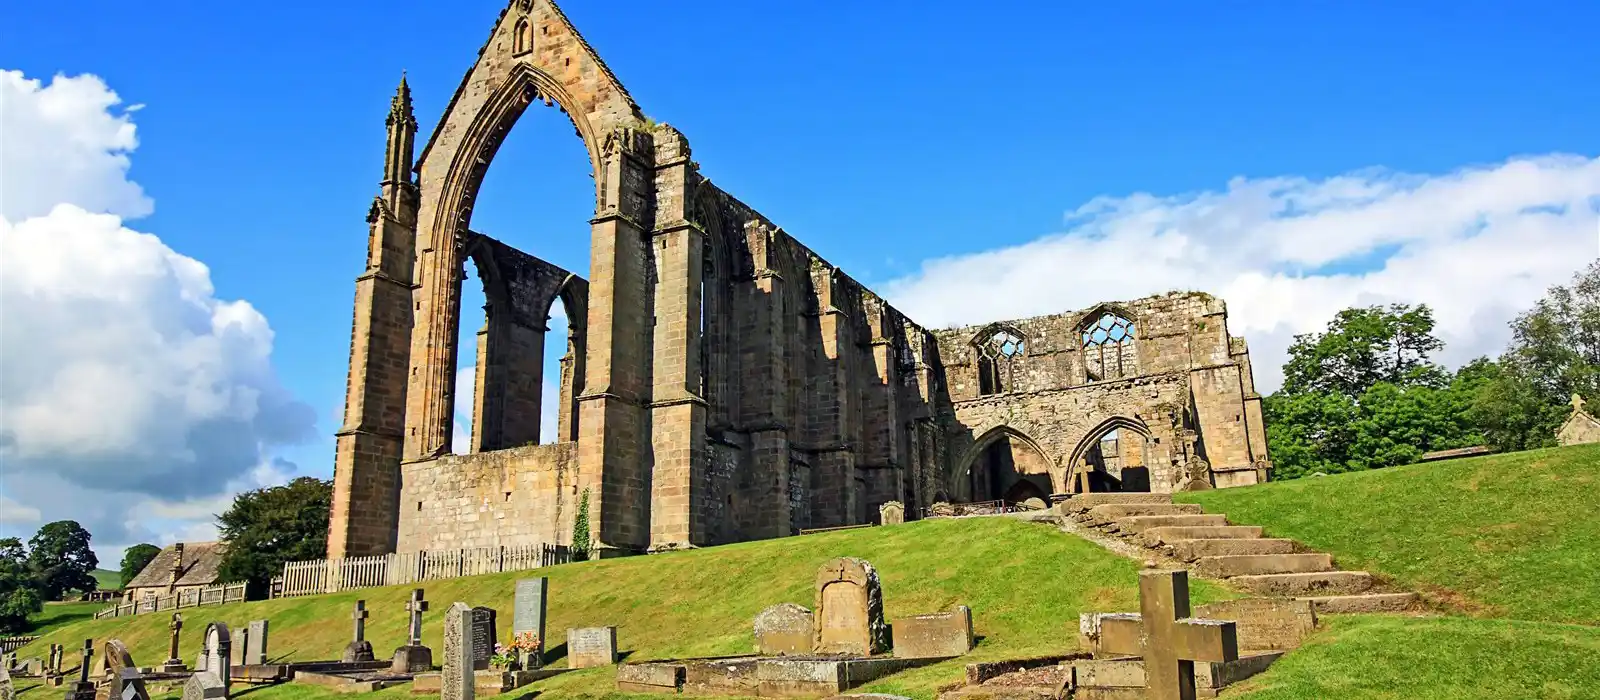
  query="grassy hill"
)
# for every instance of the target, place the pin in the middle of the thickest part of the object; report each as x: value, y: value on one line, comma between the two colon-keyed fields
x: 108, y: 580
x: 1025, y: 583
x: 1514, y: 535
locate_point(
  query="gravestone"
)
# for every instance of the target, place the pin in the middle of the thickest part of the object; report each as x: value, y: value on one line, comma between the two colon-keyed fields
x: 1165, y: 636
x: 892, y: 513
x: 782, y: 629
x: 937, y: 635
x: 173, y: 663
x: 83, y: 689
x: 255, y: 650
x: 528, y: 618
x: 122, y: 679
x: 204, y: 686
x: 7, y: 691
x: 1265, y: 624
x: 413, y: 657
x: 591, y: 646
x: 848, y: 617
x: 456, y: 680
x: 359, y: 649
x: 219, y: 654
x: 484, y: 634
x: 205, y: 653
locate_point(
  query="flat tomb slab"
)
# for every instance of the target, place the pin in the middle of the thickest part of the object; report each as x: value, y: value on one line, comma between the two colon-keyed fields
x: 799, y: 677
x: 490, y: 682
x: 732, y: 675
x: 1129, y: 672
x: 358, y: 682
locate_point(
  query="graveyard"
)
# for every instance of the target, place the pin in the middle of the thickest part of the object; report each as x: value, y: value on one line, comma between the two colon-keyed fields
x: 1507, y: 601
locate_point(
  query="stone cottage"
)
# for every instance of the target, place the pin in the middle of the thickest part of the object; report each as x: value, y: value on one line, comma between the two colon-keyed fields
x: 180, y: 567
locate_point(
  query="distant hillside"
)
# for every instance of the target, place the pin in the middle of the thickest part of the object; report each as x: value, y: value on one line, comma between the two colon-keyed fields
x: 108, y: 579
x: 1514, y: 535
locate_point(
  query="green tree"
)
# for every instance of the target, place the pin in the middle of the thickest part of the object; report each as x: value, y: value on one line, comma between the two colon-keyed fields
x: 1309, y: 432
x: 1365, y: 346
x: 61, y: 560
x: 269, y: 526
x: 580, y: 529
x: 18, y: 598
x: 135, y: 558
x: 1554, y: 353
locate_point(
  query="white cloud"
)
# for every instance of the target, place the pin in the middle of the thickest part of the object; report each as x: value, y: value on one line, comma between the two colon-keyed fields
x: 14, y: 513
x: 125, y: 382
x: 1478, y: 245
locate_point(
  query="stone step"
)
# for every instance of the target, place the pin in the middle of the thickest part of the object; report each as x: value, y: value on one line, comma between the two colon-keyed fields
x: 1161, y: 535
x: 1084, y: 501
x: 1117, y: 511
x: 1364, y: 603
x: 1322, y: 583
x: 1140, y: 523
x: 1190, y: 550
x: 1256, y: 564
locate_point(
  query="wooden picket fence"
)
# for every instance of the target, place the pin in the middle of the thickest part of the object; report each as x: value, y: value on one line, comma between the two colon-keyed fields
x: 10, y: 644
x: 190, y: 598
x: 333, y: 575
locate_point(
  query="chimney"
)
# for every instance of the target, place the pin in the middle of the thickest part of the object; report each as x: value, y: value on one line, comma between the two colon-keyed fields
x: 177, y: 567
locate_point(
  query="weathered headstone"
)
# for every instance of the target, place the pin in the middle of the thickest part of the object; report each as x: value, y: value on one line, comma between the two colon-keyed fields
x: 122, y: 679
x: 219, y: 653
x: 848, y: 617
x: 359, y: 649
x: 413, y: 657
x: 83, y: 689
x: 892, y: 513
x: 456, y: 680
x: 531, y: 601
x: 935, y: 635
x: 255, y: 651
x: 591, y: 646
x: 173, y: 663
x: 1164, y: 635
x: 204, y: 686
x: 7, y: 691
x: 205, y: 653
x: 784, y: 628
x: 484, y: 634
x: 1265, y: 624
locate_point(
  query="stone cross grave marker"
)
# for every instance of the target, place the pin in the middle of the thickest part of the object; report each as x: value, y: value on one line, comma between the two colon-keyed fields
x: 413, y: 657
x: 484, y: 634
x: 219, y: 654
x: 255, y: 651
x: 83, y: 689
x: 528, y: 618
x: 1169, y: 640
x: 359, y: 648
x: 591, y: 646
x: 848, y: 617
x: 1577, y: 403
x: 175, y: 627
x: 123, y: 681
x: 456, y: 682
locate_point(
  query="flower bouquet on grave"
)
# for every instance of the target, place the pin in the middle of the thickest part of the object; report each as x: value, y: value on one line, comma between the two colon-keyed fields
x: 527, y: 648
x: 503, y: 659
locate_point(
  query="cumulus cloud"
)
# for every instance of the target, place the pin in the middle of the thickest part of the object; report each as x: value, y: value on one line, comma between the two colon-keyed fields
x: 1477, y: 245
x: 125, y: 382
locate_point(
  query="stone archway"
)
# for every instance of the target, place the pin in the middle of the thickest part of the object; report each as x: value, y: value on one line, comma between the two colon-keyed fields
x: 1115, y: 455
x: 997, y: 465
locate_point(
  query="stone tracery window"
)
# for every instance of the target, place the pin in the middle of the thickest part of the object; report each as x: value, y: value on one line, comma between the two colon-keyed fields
x: 522, y: 37
x: 1108, y: 348
x: 997, y: 359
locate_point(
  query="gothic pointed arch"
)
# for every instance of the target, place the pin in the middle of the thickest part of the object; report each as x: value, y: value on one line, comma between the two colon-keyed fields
x: 1000, y: 459
x: 1127, y: 429
x: 997, y: 350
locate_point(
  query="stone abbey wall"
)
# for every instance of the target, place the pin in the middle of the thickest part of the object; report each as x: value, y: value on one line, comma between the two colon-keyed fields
x: 722, y: 381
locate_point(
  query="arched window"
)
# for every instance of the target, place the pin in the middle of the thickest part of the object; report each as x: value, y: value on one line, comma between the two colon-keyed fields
x: 522, y: 38
x: 1108, y: 350
x: 997, y: 355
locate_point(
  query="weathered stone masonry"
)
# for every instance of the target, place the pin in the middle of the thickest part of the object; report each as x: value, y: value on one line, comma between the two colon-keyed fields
x: 722, y: 382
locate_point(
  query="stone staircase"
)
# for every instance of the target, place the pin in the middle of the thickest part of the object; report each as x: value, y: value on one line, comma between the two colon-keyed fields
x: 1211, y: 547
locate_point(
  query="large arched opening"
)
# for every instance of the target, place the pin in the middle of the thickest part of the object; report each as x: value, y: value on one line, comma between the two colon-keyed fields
x: 1004, y: 464
x: 519, y: 359
x: 1115, y: 456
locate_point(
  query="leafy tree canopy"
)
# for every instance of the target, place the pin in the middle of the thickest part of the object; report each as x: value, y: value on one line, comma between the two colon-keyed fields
x: 61, y: 560
x: 18, y: 597
x: 266, y: 527
x: 135, y: 558
x: 1365, y: 346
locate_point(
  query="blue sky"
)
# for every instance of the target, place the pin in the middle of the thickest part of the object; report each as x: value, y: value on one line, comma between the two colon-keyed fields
x: 900, y: 140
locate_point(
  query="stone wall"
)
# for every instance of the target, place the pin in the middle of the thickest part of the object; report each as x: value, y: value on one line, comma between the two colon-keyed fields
x: 518, y: 496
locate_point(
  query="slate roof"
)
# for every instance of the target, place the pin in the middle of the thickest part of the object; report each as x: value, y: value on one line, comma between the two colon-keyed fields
x: 200, y: 563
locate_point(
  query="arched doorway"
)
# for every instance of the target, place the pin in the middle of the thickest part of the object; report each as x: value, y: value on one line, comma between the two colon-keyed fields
x: 1114, y: 457
x: 1005, y: 464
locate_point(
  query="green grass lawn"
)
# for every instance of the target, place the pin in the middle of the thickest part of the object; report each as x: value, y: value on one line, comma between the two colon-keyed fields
x: 107, y: 579
x: 58, y: 615
x: 1514, y: 535
x: 1026, y: 585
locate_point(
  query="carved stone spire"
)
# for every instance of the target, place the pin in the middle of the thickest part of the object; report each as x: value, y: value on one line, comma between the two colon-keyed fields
x: 402, y: 136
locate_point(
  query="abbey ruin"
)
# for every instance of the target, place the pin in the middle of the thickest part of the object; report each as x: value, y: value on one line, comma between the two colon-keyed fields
x: 722, y: 381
